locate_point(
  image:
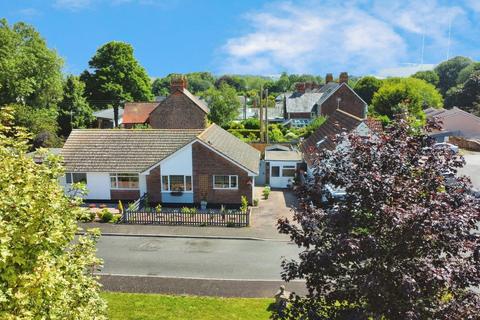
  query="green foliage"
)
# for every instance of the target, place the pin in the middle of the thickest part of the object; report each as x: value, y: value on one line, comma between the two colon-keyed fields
x: 251, y: 123
x: 448, y: 72
x: 87, y: 216
x: 44, y: 274
x: 236, y: 82
x: 30, y: 72
x: 187, y: 210
x: 116, y: 76
x: 266, y: 192
x: 466, y: 96
x: 246, y: 134
x: 275, y: 135
x: 197, y: 83
x: 366, y: 87
x: 466, y: 72
x: 105, y: 215
x: 158, y: 208
x: 413, y: 93
x: 428, y: 76
x: 314, y: 125
x: 244, y: 206
x: 255, y: 202
x: 74, y: 111
x: 223, y: 104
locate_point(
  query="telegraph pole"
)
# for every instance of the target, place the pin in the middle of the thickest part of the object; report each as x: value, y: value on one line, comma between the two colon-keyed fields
x: 266, y: 115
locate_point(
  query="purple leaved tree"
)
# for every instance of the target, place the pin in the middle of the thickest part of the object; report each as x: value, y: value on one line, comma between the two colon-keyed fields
x: 402, y: 245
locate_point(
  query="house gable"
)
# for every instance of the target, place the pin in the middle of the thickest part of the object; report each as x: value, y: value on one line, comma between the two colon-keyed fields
x: 349, y: 101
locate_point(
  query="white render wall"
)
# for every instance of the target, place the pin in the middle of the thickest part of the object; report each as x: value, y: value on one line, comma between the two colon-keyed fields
x: 179, y: 163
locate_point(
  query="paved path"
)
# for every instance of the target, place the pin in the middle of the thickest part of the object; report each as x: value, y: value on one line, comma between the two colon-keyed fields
x: 472, y: 168
x: 194, y: 258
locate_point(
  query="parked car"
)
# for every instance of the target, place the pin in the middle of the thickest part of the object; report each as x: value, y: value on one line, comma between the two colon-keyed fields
x: 331, y: 194
x: 446, y: 145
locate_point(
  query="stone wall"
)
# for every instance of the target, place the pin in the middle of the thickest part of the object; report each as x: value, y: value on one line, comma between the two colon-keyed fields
x: 473, y: 145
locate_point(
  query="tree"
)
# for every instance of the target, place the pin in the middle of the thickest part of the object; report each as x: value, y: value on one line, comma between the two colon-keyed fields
x: 400, y: 246
x: 44, y: 274
x: 428, y: 76
x: 223, y: 104
x: 30, y: 72
x: 236, y: 82
x: 74, y: 110
x: 116, y: 76
x: 366, y: 88
x: 466, y: 96
x: 448, y: 72
x: 466, y: 72
x: 413, y: 93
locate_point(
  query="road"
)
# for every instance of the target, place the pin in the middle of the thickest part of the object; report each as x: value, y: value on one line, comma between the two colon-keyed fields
x: 472, y: 169
x: 194, y: 258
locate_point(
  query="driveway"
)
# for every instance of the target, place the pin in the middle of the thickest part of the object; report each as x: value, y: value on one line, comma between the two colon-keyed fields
x: 472, y: 168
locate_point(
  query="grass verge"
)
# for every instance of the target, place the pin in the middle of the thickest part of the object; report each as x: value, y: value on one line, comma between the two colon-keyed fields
x: 164, y: 307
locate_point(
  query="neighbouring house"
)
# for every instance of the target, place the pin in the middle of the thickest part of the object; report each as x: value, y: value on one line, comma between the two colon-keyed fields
x: 325, y: 136
x: 281, y: 165
x: 309, y: 100
x: 105, y: 119
x: 455, y: 122
x: 181, y: 109
x: 171, y: 166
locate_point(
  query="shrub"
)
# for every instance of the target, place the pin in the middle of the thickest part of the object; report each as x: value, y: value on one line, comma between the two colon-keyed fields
x: 158, y: 208
x: 185, y: 210
x: 105, y: 215
x: 115, y: 218
x: 251, y: 123
x: 87, y: 216
x: 255, y: 202
x: 120, y: 206
x: 244, y: 206
x: 266, y: 192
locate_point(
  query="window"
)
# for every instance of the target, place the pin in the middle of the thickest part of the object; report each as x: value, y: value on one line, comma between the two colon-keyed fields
x: 288, y: 171
x: 76, y: 177
x: 225, y: 182
x: 275, y: 171
x: 124, y: 181
x: 176, y: 183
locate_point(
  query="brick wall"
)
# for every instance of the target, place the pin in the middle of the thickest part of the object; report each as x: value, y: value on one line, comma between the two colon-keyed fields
x: 178, y: 112
x: 206, y: 164
x: 124, y: 194
x: 154, y: 186
x: 300, y: 115
x: 349, y: 103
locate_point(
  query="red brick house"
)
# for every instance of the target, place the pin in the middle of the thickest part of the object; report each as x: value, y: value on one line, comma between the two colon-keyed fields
x: 181, y: 109
x: 309, y: 100
x: 185, y: 165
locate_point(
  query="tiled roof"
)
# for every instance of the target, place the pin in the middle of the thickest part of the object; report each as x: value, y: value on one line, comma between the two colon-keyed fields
x: 324, y: 137
x: 135, y: 150
x: 138, y: 112
x: 304, y: 102
x: 231, y: 147
x: 122, y: 150
x: 200, y: 103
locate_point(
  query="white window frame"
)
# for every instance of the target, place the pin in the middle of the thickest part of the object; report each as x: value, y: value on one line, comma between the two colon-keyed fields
x: 184, y: 183
x: 229, y: 181
x: 116, y: 175
x: 288, y: 167
x: 71, y: 177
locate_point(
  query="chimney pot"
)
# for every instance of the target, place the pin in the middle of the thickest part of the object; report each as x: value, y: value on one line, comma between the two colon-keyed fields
x: 329, y: 78
x: 178, y: 83
x: 343, y: 78
x: 300, y: 87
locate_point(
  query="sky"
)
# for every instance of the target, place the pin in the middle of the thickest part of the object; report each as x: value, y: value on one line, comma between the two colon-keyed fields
x: 377, y: 37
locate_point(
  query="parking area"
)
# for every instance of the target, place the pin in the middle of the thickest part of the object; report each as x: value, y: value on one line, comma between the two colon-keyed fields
x: 472, y: 168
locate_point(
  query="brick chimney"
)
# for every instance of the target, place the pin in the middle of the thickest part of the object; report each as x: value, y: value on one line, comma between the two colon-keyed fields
x: 343, y: 78
x: 329, y: 78
x: 300, y: 87
x: 178, y: 83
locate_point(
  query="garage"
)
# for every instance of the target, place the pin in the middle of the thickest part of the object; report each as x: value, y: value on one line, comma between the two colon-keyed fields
x: 281, y: 165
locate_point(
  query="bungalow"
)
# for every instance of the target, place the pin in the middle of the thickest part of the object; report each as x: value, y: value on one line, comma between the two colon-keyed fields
x: 309, y: 100
x: 105, y: 119
x: 455, y: 122
x: 169, y: 165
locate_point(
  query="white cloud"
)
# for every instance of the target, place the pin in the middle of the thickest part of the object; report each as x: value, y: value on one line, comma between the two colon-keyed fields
x: 403, y: 71
x: 357, y: 36
x: 73, y: 5
x: 29, y: 12
x: 474, y: 4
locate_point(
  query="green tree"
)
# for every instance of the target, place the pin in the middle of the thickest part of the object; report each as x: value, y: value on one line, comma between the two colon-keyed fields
x: 448, y: 72
x: 414, y: 94
x: 223, y: 104
x: 30, y: 72
x: 115, y: 76
x: 236, y: 82
x: 366, y: 88
x: 466, y: 96
x: 74, y: 110
x: 466, y: 72
x: 429, y: 76
x: 44, y: 274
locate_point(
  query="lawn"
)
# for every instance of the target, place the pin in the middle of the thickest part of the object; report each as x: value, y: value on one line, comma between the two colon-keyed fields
x: 154, y: 306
